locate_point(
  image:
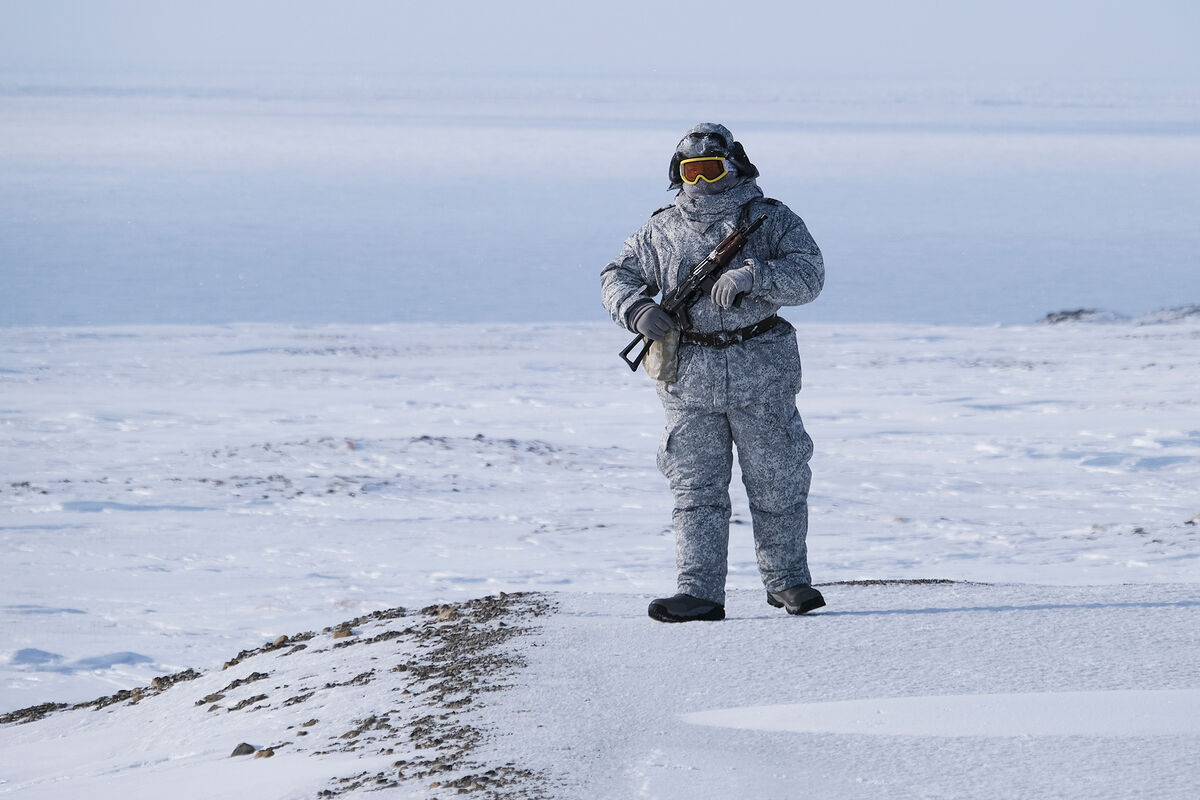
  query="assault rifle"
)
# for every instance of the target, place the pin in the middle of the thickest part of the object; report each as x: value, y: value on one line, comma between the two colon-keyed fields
x: 697, y: 284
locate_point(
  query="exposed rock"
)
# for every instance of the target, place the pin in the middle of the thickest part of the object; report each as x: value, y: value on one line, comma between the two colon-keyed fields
x: 249, y: 701
x: 299, y: 637
x: 1083, y: 315
x: 164, y: 682
x: 1162, y: 316
x: 1168, y: 315
x: 242, y: 749
x: 31, y: 714
x: 251, y: 678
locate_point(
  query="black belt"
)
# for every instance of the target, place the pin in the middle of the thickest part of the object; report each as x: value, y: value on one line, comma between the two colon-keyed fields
x: 720, y: 339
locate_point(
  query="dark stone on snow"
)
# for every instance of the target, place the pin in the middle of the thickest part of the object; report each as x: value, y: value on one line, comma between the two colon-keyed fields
x: 1082, y: 315
x: 31, y: 714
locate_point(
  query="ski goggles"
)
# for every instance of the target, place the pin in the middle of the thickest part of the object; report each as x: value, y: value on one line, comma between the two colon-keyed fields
x: 710, y: 168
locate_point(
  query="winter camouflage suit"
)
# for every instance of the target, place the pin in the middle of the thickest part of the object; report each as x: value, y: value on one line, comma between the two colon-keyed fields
x: 743, y: 394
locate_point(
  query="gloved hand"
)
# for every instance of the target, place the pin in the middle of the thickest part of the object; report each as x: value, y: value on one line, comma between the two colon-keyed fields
x: 651, y: 321
x: 731, y: 284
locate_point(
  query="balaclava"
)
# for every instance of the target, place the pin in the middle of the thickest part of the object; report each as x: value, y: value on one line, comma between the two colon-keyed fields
x: 702, y: 203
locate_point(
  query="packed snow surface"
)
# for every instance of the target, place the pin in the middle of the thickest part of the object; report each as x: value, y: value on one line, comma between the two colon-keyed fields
x: 1122, y: 712
x: 174, y: 495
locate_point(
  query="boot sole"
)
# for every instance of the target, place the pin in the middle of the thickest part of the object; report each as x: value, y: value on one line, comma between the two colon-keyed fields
x: 803, y: 608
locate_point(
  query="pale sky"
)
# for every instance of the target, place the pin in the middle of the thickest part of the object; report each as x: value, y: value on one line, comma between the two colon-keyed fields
x: 1070, y: 41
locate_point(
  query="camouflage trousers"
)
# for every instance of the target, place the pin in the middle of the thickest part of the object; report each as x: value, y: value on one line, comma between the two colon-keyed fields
x: 696, y: 455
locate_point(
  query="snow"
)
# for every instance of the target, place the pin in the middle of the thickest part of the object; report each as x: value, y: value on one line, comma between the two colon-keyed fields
x: 174, y: 495
x: 299, y: 326
x: 630, y: 700
x: 1121, y: 712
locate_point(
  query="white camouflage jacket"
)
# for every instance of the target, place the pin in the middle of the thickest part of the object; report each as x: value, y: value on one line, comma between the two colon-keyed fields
x: 788, y: 271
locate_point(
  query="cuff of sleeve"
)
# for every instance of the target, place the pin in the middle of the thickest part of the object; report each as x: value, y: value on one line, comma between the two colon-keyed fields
x: 758, y: 273
x: 634, y: 309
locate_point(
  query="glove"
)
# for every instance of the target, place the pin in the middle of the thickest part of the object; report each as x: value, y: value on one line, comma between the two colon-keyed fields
x: 733, y: 283
x: 651, y: 321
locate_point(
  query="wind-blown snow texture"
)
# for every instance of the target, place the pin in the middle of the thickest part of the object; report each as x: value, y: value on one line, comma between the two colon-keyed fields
x: 172, y: 496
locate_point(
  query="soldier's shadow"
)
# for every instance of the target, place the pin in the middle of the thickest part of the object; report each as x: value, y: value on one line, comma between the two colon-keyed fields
x: 1032, y: 607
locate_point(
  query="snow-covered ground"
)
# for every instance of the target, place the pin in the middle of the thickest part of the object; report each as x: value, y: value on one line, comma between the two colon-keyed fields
x: 174, y: 495
x: 313, y: 436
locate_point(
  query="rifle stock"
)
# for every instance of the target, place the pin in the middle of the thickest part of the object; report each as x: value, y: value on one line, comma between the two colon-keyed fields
x: 636, y: 360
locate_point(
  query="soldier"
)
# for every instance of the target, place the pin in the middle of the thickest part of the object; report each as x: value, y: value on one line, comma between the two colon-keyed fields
x: 735, y: 374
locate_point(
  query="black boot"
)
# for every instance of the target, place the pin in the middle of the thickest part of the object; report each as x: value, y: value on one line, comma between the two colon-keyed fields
x: 799, y: 599
x: 685, y: 608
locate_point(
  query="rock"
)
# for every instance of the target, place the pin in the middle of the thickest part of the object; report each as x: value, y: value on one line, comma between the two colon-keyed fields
x: 32, y: 713
x: 1083, y: 315
x: 249, y: 701
x: 280, y: 642
x: 342, y: 631
x: 266, y: 752
x: 242, y: 749
x: 1168, y: 315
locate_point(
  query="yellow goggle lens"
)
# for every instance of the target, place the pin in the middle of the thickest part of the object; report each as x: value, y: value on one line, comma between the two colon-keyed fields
x: 710, y: 168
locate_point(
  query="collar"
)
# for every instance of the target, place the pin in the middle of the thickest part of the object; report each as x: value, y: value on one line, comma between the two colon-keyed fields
x: 701, y: 211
